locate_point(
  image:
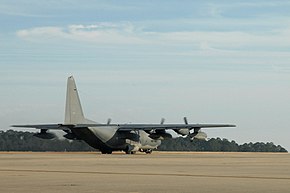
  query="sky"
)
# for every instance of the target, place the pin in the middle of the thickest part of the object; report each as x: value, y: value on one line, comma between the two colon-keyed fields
x: 140, y: 61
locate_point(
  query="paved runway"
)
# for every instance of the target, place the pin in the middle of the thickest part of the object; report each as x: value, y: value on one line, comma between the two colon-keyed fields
x: 158, y: 172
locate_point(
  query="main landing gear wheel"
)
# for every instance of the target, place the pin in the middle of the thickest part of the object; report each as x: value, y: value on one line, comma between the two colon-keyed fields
x: 148, y: 151
x: 106, y: 152
x: 130, y: 152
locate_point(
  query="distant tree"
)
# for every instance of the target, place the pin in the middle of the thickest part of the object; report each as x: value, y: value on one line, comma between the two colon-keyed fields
x: 217, y: 144
x: 25, y: 141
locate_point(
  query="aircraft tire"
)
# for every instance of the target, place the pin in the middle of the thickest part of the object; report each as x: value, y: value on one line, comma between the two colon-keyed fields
x: 106, y: 152
x: 148, y: 151
x: 130, y: 152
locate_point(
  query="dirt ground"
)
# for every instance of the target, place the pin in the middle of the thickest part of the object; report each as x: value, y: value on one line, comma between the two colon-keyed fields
x: 158, y: 172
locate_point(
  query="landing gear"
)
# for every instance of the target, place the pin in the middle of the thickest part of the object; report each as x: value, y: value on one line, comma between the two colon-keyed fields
x: 106, y: 151
x: 130, y: 152
x: 131, y: 149
x: 148, y: 151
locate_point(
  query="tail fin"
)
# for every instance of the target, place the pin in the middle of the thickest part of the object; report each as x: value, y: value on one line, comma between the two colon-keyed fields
x: 73, y: 109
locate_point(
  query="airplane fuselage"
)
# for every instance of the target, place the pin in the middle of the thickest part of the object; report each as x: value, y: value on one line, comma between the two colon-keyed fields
x: 108, y: 139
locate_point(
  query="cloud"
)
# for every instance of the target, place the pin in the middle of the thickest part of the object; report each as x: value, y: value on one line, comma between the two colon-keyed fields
x: 35, y: 33
x: 127, y: 33
x: 221, y: 48
x: 104, y: 33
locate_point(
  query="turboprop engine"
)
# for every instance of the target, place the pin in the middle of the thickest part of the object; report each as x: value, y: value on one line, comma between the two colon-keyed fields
x: 44, y: 135
x: 182, y: 131
x: 198, y: 135
x: 160, y: 135
x: 131, y: 135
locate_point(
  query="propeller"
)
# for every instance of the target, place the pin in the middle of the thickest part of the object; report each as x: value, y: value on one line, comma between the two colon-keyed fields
x: 196, y: 129
x: 109, y: 121
x: 185, y: 120
x: 162, y: 121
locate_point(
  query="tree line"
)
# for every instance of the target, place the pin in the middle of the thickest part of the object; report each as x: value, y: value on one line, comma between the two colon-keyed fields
x: 11, y: 140
x: 217, y: 144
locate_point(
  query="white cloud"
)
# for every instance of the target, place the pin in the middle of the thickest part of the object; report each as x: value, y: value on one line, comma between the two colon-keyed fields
x: 229, y: 48
x: 126, y: 33
x: 39, y: 32
x: 105, y: 33
x: 228, y: 39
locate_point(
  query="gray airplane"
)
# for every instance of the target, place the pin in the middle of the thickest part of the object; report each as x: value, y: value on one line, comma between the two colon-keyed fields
x: 108, y: 137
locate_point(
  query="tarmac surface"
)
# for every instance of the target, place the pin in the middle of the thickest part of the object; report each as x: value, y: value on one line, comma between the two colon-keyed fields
x: 158, y: 172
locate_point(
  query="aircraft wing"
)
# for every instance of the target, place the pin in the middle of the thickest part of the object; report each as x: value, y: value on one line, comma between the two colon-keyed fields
x: 128, y: 127
x: 124, y: 127
x: 46, y: 126
x: 62, y: 126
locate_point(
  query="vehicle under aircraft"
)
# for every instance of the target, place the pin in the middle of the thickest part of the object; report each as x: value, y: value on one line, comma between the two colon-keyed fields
x: 108, y: 137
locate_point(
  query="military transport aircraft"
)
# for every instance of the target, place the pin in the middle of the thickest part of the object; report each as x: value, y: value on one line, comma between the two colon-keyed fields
x: 114, y: 137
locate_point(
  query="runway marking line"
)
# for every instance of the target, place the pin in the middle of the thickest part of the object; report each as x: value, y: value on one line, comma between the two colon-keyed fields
x: 148, y: 174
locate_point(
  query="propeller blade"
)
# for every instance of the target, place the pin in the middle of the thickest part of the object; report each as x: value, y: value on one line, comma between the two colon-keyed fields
x: 185, y: 120
x: 109, y: 121
x: 162, y: 121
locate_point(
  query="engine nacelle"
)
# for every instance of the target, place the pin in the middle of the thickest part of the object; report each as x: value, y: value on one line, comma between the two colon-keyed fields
x: 160, y: 136
x: 199, y: 135
x: 45, y: 135
x: 182, y: 131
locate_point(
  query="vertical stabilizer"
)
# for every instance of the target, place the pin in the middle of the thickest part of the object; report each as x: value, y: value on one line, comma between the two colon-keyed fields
x: 73, y: 109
